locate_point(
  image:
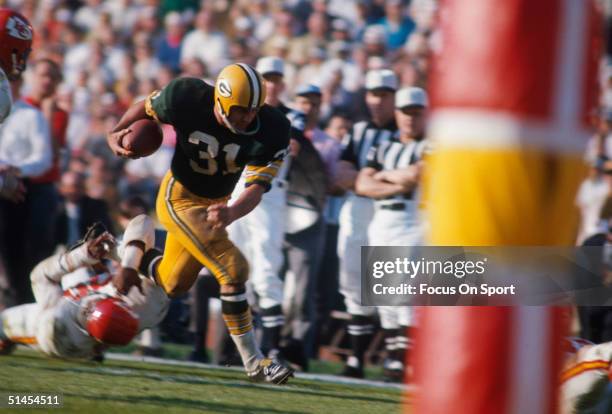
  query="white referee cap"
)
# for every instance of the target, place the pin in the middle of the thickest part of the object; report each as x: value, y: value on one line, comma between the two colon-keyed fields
x: 381, y: 79
x: 269, y: 65
x: 412, y: 96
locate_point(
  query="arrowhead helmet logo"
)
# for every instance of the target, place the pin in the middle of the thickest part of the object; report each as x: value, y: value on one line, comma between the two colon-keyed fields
x: 224, y: 88
x: 18, y: 28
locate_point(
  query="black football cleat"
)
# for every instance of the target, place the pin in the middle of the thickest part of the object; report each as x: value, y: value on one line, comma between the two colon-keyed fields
x: 271, y: 372
x: 352, y: 372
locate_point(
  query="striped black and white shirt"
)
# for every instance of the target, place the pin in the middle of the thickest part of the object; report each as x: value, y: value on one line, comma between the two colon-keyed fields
x: 363, y: 136
x: 393, y: 154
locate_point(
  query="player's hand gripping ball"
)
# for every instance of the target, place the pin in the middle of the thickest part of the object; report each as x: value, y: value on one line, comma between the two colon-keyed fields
x: 144, y: 139
x: 140, y: 139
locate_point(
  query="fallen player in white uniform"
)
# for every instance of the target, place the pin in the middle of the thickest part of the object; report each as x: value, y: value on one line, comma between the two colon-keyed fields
x: 82, y: 321
x: 586, y: 381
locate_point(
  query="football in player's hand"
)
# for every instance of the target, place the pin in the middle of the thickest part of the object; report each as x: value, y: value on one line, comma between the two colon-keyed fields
x: 144, y: 139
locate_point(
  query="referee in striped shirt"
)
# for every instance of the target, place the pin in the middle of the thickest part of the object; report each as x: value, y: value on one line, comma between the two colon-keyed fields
x: 391, y: 177
x: 357, y: 211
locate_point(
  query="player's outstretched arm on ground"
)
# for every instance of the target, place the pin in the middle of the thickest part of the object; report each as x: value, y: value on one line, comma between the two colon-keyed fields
x: 125, y: 279
x: 47, y: 275
x: 139, y: 236
x: 368, y: 186
x: 115, y: 137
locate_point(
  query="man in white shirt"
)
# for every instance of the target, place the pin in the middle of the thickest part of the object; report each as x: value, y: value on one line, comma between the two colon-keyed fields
x: 25, y: 151
x: 25, y: 140
x: 15, y: 45
x: 206, y: 44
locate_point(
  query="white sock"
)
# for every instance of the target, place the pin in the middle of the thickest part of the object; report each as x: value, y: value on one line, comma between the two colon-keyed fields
x: 248, y: 349
x: 353, y: 361
x: 132, y: 255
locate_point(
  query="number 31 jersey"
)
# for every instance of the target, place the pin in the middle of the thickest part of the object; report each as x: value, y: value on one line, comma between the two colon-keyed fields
x: 209, y: 158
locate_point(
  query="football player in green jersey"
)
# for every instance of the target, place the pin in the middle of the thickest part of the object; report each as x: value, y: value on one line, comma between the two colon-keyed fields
x: 221, y: 130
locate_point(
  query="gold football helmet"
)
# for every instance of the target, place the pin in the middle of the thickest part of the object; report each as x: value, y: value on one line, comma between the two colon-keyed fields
x: 238, y: 84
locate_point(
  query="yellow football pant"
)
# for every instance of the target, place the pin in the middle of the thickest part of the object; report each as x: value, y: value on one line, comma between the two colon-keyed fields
x: 192, y: 243
x: 479, y: 197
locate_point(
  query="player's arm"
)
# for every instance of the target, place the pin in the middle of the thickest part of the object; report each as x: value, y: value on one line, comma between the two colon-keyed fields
x: 134, y: 113
x: 115, y: 138
x: 222, y: 215
x: 47, y: 276
x: 138, y: 239
x: 368, y: 186
x: 258, y: 180
x: 248, y: 200
x: 259, y: 174
x: 167, y: 106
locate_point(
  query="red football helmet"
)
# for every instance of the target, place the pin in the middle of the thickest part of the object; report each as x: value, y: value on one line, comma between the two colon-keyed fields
x: 15, y: 42
x: 112, y: 322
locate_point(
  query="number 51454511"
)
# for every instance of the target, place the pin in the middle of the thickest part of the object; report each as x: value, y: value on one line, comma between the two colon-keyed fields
x: 31, y: 400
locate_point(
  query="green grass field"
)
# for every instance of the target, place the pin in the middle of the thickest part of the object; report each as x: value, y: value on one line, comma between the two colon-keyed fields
x: 119, y: 387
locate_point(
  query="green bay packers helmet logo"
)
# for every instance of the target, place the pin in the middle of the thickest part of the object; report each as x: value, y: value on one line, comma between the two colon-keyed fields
x: 224, y: 88
x: 239, y: 84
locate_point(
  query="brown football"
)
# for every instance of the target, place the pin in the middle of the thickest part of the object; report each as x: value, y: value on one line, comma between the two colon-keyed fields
x: 144, y: 139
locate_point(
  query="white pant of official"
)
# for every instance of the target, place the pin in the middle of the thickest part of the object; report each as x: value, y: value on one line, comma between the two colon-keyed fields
x: 259, y: 235
x: 355, y: 217
x: 396, y: 228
